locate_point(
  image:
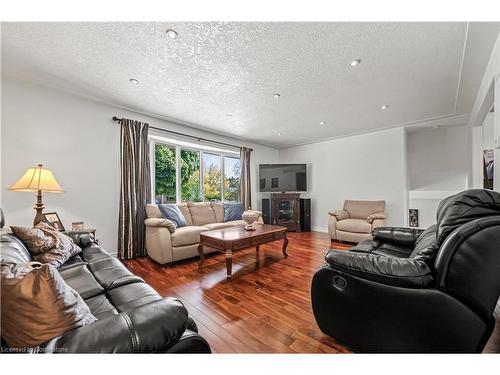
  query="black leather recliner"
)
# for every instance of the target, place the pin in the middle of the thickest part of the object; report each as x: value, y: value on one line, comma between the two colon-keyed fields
x: 410, y: 290
x: 132, y: 316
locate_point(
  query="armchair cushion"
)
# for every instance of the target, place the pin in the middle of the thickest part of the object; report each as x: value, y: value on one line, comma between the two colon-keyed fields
x: 376, y: 215
x: 354, y: 226
x: 387, y: 270
x: 340, y: 214
x: 153, y: 222
x: 362, y: 209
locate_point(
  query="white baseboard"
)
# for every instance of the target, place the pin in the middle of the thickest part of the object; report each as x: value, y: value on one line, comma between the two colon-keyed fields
x: 319, y: 229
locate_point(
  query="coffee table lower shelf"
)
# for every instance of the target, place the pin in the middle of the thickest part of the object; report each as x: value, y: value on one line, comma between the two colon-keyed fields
x: 228, y: 240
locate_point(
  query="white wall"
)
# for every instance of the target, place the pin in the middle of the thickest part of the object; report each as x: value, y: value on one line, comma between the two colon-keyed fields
x: 439, y: 159
x: 367, y: 166
x: 439, y: 165
x: 76, y: 138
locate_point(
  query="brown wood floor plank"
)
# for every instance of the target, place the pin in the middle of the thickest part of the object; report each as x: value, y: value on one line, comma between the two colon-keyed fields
x: 266, y: 308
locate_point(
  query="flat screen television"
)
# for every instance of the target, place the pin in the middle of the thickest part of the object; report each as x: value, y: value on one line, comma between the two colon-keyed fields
x: 282, y: 177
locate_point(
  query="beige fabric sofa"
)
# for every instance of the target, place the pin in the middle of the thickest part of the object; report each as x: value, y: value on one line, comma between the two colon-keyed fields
x: 355, y: 222
x: 166, y: 244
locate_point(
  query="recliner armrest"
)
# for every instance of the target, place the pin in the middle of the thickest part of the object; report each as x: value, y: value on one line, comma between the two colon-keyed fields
x: 151, y: 328
x: 397, y: 235
x: 394, y: 271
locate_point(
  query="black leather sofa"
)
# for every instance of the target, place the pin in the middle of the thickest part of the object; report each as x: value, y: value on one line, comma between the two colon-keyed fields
x: 132, y: 316
x: 410, y: 290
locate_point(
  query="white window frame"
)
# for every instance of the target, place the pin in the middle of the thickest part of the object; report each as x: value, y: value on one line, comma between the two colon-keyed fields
x: 153, y: 141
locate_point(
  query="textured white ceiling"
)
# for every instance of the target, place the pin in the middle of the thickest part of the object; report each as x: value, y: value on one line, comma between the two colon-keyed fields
x: 421, y: 70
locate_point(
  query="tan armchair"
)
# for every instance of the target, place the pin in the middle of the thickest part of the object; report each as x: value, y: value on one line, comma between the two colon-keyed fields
x: 355, y: 222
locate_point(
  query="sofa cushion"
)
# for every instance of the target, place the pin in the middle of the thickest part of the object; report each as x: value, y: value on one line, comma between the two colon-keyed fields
x: 187, y: 235
x: 46, y: 244
x: 172, y: 213
x: 100, y: 306
x: 237, y: 222
x: 81, y: 280
x: 93, y: 253
x: 426, y: 246
x: 215, y: 226
x: 13, y: 250
x: 363, y: 209
x: 354, y: 225
x: 202, y: 213
x: 233, y: 211
x: 153, y: 211
x: 218, y: 211
x: 37, y: 305
x: 72, y: 262
x: 464, y: 207
x: 111, y: 273
x: 185, y: 211
x: 130, y: 296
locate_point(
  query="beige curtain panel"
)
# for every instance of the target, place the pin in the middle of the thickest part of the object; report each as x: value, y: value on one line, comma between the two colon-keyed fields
x: 245, y: 186
x: 135, y: 188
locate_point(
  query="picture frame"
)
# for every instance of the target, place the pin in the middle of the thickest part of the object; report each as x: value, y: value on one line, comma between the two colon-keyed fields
x: 413, y: 217
x: 52, y: 218
x: 77, y: 226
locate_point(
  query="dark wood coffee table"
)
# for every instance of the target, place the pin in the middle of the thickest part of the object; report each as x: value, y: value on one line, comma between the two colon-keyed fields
x: 228, y: 240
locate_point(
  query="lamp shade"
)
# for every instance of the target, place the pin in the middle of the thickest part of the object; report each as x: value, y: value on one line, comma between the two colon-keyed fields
x: 37, y: 178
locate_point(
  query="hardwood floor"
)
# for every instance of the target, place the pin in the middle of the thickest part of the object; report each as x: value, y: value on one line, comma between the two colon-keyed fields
x: 266, y: 308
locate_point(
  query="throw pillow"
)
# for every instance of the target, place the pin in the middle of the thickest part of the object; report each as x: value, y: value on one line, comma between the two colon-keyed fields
x: 233, y: 211
x: 46, y: 244
x: 173, y: 213
x: 38, y: 305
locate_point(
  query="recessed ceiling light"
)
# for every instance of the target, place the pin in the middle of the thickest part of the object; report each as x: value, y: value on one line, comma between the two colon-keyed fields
x: 276, y: 96
x: 134, y: 81
x: 172, y: 34
x: 385, y: 106
x: 280, y: 134
x: 355, y: 62
x: 322, y: 123
x: 228, y: 115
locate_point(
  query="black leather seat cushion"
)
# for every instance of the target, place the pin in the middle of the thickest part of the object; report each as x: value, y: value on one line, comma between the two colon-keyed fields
x: 129, y: 296
x: 71, y: 262
x: 92, y: 253
x: 80, y: 279
x: 111, y: 273
x: 100, y: 306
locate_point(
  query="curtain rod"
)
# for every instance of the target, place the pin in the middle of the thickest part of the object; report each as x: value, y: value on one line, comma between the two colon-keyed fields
x: 118, y: 120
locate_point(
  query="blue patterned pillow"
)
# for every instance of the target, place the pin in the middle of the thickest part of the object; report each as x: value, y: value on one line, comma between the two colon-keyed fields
x: 233, y: 211
x: 173, y: 213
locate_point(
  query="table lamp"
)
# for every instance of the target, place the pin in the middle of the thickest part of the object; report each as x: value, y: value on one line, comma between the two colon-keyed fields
x: 37, y: 179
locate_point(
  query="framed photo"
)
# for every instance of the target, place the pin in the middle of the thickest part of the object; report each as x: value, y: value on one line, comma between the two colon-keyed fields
x: 413, y: 216
x: 53, y: 219
x: 77, y: 226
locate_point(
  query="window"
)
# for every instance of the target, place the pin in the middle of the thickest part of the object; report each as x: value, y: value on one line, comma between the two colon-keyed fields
x: 231, y: 179
x: 190, y: 176
x: 212, y: 177
x: 185, y: 172
x: 165, y: 168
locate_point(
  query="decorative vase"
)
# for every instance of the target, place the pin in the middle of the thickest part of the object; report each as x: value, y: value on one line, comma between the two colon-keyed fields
x: 250, y: 218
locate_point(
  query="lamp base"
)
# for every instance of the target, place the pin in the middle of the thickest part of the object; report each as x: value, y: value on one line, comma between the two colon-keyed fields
x: 38, y: 208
